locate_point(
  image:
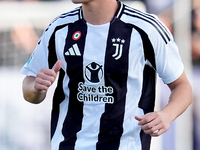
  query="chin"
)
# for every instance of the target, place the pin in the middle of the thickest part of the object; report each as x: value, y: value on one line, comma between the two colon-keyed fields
x: 79, y: 1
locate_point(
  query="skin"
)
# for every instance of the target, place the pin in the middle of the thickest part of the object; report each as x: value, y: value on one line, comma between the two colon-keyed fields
x: 180, y: 99
x: 100, y: 12
x: 35, y: 88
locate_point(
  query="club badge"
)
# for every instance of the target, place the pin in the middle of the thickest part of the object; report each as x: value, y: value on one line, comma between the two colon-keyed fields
x: 76, y: 35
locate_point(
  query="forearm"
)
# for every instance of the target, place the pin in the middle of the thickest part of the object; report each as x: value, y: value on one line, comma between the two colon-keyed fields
x: 30, y: 93
x: 156, y: 123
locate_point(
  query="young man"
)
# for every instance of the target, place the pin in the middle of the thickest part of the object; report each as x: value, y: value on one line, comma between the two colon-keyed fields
x: 108, y: 55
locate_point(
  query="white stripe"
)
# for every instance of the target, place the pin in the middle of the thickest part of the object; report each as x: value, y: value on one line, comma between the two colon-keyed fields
x: 120, y: 52
x: 63, y: 109
x: 88, y: 136
x: 67, y: 53
x: 76, y: 49
x: 116, y: 51
x: 58, y: 136
x: 130, y: 138
x: 120, y: 10
x: 71, y: 51
x: 74, y: 12
x: 80, y: 13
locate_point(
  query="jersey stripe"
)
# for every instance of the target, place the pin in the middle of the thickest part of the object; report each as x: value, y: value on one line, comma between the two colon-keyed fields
x: 120, y: 10
x: 59, y: 95
x: 168, y: 34
x: 71, y: 13
x: 111, y: 124
x: 88, y: 136
x: 73, y: 120
x: 147, y: 100
x: 55, y: 110
x: 150, y: 19
x: 52, y: 58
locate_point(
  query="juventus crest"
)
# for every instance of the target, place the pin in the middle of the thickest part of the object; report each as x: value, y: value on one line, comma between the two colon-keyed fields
x: 118, y: 43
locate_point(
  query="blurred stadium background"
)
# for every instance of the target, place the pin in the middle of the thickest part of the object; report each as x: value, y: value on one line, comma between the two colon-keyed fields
x: 25, y: 126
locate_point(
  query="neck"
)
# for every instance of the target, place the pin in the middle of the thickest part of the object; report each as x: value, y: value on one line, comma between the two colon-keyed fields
x: 99, y: 12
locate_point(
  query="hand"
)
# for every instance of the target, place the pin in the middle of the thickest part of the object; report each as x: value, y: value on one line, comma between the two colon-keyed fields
x: 46, y: 77
x: 154, y: 123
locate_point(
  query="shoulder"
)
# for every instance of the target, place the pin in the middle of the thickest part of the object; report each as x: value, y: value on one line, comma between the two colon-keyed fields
x: 64, y: 19
x: 149, y: 23
x: 135, y: 16
x: 60, y: 22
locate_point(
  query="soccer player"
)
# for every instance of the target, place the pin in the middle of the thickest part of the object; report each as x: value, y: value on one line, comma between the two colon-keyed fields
x: 107, y: 55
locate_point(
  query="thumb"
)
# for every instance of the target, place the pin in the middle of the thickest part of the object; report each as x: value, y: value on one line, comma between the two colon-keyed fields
x: 57, y: 66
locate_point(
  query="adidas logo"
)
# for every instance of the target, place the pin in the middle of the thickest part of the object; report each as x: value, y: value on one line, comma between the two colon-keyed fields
x: 73, y: 51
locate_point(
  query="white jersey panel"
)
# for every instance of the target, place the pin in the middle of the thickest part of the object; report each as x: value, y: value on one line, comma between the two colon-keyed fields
x: 92, y: 111
x: 58, y: 136
x: 169, y: 64
x: 63, y: 107
x: 131, y: 128
x: 60, y: 45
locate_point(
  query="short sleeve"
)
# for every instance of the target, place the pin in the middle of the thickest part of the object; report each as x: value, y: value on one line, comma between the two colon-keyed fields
x: 168, y: 62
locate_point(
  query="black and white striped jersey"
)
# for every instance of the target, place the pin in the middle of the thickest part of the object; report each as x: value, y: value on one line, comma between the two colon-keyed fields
x: 107, y: 77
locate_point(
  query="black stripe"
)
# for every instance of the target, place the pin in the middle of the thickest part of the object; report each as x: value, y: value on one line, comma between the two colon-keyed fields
x: 73, y: 120
x: 63, y: 16
x: 119, y: 9
x: 147, y: 99
x: 52, y: 58
x: 153, y: 19
x: 145, y: 140
x: 80, y: 13
x: 59, y: 96
x: 150, y: 19
x: 149, y: 75
x: 116, y: 72
x: 71, y: 13
x: 147, y: 46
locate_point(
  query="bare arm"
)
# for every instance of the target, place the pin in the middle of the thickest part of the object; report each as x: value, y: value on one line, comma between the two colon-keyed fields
x: 156, y: 123
x: 35, y: 88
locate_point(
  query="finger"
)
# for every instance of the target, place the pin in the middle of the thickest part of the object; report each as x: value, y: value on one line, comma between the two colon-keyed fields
x: 147, y: 118
x: 40, y: 87
x: 158, y: 133
x: 138, y: 118
x: 42, y: 84
x: 151, y: 125
x: 46, y: 75
x: 46, y: 72
x: 57, y: 66
x: 46, y: 82
x: 151, y: 129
